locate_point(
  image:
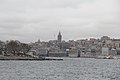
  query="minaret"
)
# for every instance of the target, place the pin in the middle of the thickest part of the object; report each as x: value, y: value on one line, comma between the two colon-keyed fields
x: 59, y: 37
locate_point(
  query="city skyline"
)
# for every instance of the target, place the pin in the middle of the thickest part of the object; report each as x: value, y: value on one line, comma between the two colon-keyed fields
x: 30, y: 20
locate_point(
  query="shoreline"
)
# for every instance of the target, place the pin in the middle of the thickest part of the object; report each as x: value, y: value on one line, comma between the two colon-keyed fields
x: 6, y: 58
x: 31, y: 59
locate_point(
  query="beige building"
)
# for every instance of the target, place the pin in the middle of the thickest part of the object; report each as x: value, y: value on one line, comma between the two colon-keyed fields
x: 116, y: 43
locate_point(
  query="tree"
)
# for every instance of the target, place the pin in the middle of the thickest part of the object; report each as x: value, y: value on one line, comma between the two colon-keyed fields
x: 16, y: 47
x: 24, y: 47
x: 2, y: 46
x: 13, y: 47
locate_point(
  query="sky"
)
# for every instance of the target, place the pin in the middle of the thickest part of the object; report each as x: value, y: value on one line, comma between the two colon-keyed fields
x: 30, y: 20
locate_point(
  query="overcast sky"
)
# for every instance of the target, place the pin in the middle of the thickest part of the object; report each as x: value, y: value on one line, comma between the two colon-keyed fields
x: 30, y: 20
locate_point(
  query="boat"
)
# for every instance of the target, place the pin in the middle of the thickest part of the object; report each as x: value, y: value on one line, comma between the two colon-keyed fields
x: 104, y: 57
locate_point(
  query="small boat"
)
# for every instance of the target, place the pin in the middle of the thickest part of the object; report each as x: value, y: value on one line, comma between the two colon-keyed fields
x: 105, y: 57
x: 109, y: 57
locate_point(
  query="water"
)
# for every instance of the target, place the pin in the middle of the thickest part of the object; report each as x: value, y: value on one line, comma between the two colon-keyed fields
x: 68, y: 69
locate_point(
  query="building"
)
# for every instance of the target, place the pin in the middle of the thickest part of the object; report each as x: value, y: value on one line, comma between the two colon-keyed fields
x: 116, y: 43
x: 118, y: 51
x: 59, y: 37
x: 105, y: 51
x: 105, y: 38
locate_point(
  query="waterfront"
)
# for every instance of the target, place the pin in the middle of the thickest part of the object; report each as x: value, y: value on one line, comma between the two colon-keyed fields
x: 68, y: 69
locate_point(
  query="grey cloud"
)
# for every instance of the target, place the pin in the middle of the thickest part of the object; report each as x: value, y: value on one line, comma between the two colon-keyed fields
x: 29, y: 20
x: 42, y: 3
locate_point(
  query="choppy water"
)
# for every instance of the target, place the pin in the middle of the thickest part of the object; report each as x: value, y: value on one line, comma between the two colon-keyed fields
x: 68, y: 69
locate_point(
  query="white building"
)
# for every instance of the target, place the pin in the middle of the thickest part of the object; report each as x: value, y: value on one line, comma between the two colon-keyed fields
x: 105, y: 51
